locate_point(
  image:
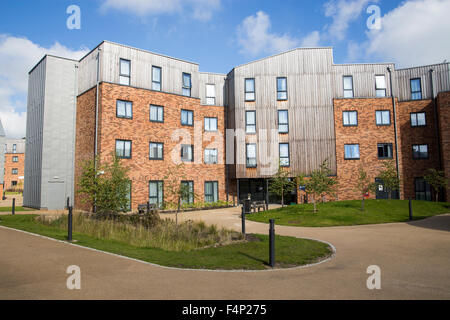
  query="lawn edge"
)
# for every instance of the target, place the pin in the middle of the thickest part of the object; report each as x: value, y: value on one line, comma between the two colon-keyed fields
x: 328, y: 258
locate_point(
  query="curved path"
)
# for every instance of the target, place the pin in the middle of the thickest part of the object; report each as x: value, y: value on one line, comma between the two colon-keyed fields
x: 414, y: 259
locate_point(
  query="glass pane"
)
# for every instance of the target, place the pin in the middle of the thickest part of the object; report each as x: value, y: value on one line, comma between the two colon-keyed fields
x: 119, y: 148
x: 421, y: 119
x: 156, y: 86
x: 153, y: 189
x: 283, y: 117
x: 284, y: 150
x: 250, y: 85
x: 348, y: 93
x: 385, y: 117
x: 125, y: 67
x: 186, y: 92
x: 380, y: 82
x: 207, y: 124
x: 379, y: 118
x: 124, y: 80
x: 213, y: 124
x: 210, y: 91
x: 215, y: 191
x: 282, y: 84
x: 381, y: 93
x: 129, y: 110
x: 184, y: 117
x: 121, y: 108
x: 415, y: 85
x: 353, y: 118
x: 413, y: 119
x: 282, y: 96
x: 153, y: 113
x: 186, y: 80
x: 249, y: 96
x: 283, y: 128
x: 251, y: 117
x: 211, y: 101
x: 251, y: 151
x: 348, y: 83
x: 156, y: 74
x: 127, y: 152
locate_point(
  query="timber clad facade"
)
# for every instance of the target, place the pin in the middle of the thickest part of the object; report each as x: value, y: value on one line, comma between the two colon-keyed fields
x: 231, y: 131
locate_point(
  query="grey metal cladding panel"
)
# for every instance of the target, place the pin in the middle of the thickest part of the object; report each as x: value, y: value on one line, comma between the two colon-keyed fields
x: 34, y: 136
x: 2, y: 158
x: 141, y: 69
x: 59, y: 126
x: 211, y: 78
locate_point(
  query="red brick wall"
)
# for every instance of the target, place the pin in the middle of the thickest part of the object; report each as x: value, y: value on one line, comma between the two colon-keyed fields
x: 443, y: 103
x: 9, y: 165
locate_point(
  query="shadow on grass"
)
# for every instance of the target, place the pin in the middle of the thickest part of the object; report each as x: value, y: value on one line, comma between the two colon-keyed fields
x: 253, y: 258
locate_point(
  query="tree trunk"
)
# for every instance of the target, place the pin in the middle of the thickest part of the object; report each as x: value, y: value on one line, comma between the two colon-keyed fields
x: 437, y: 196
x: 362, y: 204
x: 282, y: 197
x: 178, y: 210
x: 314, y: 202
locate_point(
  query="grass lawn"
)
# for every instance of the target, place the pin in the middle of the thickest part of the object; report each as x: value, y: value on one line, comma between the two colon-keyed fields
x: 250, y: 255
x: 12, y: 193
x: 348, y: 213
x: 8, y: 209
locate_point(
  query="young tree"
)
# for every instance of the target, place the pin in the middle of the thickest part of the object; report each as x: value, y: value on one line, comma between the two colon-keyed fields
x: 320, y: 183
x: 437, y: 180
x: 389, y: 177
x: 280, y: 184
x: 107, y: 187
x: 364, y: 185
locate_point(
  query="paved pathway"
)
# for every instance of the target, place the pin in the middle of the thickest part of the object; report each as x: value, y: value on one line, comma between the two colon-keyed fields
x: 414, y: 259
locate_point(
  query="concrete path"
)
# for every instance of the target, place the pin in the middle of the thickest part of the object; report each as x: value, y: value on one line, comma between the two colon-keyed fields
x: 414, y: 259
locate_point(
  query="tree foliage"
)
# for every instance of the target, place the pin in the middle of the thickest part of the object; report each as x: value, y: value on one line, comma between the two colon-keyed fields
x: 437, y: 180
x: 364, y: 185
x: 281, y: 185
x: 389, y: 177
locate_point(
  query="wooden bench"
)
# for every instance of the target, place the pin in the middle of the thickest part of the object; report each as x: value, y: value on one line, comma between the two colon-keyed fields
x: 142, y: 208
x: 258, y: 205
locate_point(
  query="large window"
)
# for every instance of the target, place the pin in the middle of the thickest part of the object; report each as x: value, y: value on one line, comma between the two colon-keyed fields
x: 418, y: 119
x: 211, y: 156
x: 351, y: 151
x: 420, y: 151
x: 380, y: 86
x: 188, y: 192
x: 383, y: 117
x: 15, y: 171
x: 14, y: 148
x: 250, y: 121
x: 284, y: 155
x: 187, y: 84
x: 156, y: 113
x: 283, y: 121
x: 210, y: 94
x: 125, y: 72
x: 15, y: 159
x: 156, y: 193
x: 251, y: 155
x: 211, y: 191
x: 416, y: 89
x: 124, y: 109
x: 348, y: 86
x: 422, y: 189
x: 187, y: 117
x: 187, y: 153
x: 129, y: 195
x: 385, y: 151
x: 156, y: 78
x: 250, y: 89
x: 282, y: 89
x: 350, y: 118
x: 123, y: 149
x: 210, y: 124
x: 156, y: 151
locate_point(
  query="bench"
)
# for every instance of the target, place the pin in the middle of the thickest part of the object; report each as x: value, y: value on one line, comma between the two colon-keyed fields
x: 258, y: 205
x: 147, y: 208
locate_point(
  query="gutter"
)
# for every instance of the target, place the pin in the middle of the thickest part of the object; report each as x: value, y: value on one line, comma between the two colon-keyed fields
x: 96, y: 108
x: 436, y: 120
x: 395, y: 121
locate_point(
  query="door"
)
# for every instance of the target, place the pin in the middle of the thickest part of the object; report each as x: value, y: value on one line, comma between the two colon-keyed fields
x: 383, y: 192
x: 56, y: 199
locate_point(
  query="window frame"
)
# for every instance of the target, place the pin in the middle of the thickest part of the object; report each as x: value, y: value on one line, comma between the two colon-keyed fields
x: 131, y: 147
x: 124, y: 75
x: 216, y: 156
x: 247, y: 158
x: 279, y: 123
x: 212, y: 195
x: 14, y: 148
x: 288, y: 157
x: 346, y: 90
x: 117, y: 109
x: 209, y: 121
x: 246, y: 121
x: 181, y: 117
x: 191, y: 196
x: 206, y: 94
x: 15, y: 171
x: 359, y: 151
x: 15, y: 159
x: 150, y: 113
x: 245, y: 90
x: 379, y: 89
x: 391, y: 147
x: 192, y: 152
x: 281, y: 91
x: 150, y: 150
x: 426, y: 191
x: 343, y: 118
x: 419, y: 153
x: 160, y: 78
x: 186, y: 87
x: 158, y: 182
x: 417, y: 119
x: 383, y: 124
x: 415, y: 92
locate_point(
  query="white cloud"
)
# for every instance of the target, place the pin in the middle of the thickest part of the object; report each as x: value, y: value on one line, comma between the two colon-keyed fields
x: 17, y: 57
x: 415, y: 33
x: 311, y: 40
x: 199, y: 9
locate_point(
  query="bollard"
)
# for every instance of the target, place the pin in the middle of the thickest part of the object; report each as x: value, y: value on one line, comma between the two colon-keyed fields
x: 243, y: 221
x: 68, y: 203
x: 69, y: 228
x: 272, y: 243
x: 410, y: 210
x: 13, y: 210
x: 148, y: 207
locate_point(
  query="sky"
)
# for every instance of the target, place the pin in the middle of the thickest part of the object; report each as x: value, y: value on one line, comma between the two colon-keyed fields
x: 217, y: 34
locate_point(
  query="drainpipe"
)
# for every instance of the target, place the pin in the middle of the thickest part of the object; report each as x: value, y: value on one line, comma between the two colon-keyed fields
x: 96, y: 107
x: 436, y: 120
x: 395, y: 121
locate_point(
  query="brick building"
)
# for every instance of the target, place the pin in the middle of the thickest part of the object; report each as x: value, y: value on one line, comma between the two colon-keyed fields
x: 14, y: 165
x: 231, y: 130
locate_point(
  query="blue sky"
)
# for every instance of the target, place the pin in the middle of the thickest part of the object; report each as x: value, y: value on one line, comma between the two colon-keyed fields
x: 217, y: 34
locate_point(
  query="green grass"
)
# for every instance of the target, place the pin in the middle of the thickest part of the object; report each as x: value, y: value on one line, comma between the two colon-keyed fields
x: 348, y: 213
x: 8, y: 209
x: 12, y: 193
x: 249, y: 255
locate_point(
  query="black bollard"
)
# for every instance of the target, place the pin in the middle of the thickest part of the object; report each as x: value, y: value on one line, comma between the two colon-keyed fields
x: 68, y: 203
x: 148, y: 207
x: 243, y: 220
x: 272, y: 243
x: 69, y: 227
x: 13, y: 210
x: 410, y: 210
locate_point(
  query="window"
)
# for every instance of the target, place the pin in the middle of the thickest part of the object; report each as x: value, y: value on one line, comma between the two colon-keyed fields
x: 250, y: 121
x: 210, y: 94
x: 416, y: 89
x: 380, y: 86
x: 251, y: 155
x: 123, y: 149
x: 155, y: 193
x: 211, y: 156
x: 211, y: 191
x: 156, y: 78
x: 351, y: 151
x: 125, y: 72
x: 383, y: 117
x: 210, y: 124
x: 14, y: 148
x: 418, y: 119
x: 250, y: 89
x: 187, y: 153
x: 156, y: 113
x: 350, y: 118
x: 187, y: 117
x: 188, y: 192
x: 385, y: 151
x: 187, y: 84
x: 13, y: 183
x: 129, y: 195
x: 15, y: 171
x: 348, y: 86
x: 420, y: 151
x: 15, y: 159
x: 124, y: 109
x: 422, y: 189
x: 156, y: 151
x: 282, y: 89
x: 283, y: 121
x: 284, y: 154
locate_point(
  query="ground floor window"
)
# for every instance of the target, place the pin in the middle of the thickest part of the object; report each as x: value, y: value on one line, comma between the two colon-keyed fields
x: 422, y: 189
x: 13, y: 183
x: 129, y: 196
x: 189, y: 196
x: 211, y: 191
x: 156, y: 193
